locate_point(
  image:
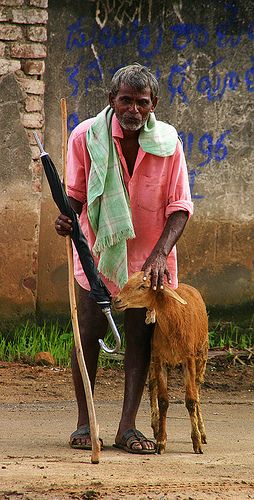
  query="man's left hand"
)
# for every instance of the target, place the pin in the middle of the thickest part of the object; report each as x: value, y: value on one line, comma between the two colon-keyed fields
x: 156, y: 266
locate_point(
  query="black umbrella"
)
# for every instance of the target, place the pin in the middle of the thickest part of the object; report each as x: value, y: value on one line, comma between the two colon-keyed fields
x: 99, y: 291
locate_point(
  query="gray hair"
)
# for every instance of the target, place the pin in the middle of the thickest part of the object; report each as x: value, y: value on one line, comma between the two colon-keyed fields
x: 136, y: 76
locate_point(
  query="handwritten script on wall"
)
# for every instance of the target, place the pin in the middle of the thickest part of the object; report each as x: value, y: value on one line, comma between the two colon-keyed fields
x: 214, y: 80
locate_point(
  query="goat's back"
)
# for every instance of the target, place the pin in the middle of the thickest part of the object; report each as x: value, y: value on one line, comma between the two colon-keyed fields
x: 181, y: 329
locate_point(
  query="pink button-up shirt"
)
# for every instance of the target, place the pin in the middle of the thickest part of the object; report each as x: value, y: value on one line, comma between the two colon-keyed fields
x: 157, y: 188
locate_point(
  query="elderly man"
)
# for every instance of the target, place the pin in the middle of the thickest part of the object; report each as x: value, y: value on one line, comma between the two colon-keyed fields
x: 128, y: 182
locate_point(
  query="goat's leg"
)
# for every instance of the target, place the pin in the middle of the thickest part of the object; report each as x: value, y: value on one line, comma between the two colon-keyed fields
x: 153, y: 393
x: 191, y: 398
x: 200, y: 370
x: 161, y: 376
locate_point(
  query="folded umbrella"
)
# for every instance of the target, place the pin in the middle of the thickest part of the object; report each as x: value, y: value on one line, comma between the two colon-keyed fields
x: 99, y: 291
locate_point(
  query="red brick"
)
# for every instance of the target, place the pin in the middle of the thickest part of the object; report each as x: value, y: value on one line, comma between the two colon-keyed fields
x: 10, y: 32
x: 2, y: 49
x: 31, y: 138
x: 32, y: 86
x: 8, y: 66
x: 12, y: 3
x: 35, y: 153
x: 34, y: 103
x: 33, y: 67
x: 37, y: 33
x: 28, y: 51
x: 37, y: 166
x: 32, y: 120
x: 36, y: 186
x: 39, y: 3
x: 4, y: 15
x: 30, y: 16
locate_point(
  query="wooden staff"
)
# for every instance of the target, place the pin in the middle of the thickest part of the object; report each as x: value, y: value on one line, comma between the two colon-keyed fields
x: 94, y: 428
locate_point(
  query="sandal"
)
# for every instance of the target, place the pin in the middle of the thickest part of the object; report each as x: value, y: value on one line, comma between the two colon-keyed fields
x: 132, y: 436
x: 82, y: 432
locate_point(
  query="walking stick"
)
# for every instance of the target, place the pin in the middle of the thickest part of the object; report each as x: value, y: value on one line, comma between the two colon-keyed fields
x: 94, y: 428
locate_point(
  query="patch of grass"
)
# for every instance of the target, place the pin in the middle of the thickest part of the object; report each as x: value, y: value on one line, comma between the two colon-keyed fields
x: 226, y: 334
x: 22, y: 342
x: 26, y: 340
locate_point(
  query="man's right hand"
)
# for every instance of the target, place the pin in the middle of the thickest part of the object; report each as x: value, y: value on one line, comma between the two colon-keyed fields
x: 63, y: 225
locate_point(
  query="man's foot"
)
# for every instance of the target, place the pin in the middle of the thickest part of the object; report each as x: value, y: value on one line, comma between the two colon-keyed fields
x: 133, y: 441
x: 81, y: 438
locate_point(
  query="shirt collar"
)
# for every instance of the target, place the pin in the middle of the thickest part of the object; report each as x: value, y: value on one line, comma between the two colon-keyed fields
x: 116, y: 127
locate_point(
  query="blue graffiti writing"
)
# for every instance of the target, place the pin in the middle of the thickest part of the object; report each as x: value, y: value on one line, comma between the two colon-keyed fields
x: 206, y: 146
x: 73, y: 72
x: 145, y: 41
x: 224, y: 36
x: 216, y: 90
x: 109, y: 39
x: 217, y: 151
x: 95, y: 74
x: 251, y: 31
x: 212, y: 150
x: 76, y: 36
x: 72, y: 121
x: 176, y: 80
x: 192, y: 178
x: 187, y: 33
x: 249, y: 77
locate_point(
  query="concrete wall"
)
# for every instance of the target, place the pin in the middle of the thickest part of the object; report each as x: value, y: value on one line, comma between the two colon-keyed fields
x: 203, y: 56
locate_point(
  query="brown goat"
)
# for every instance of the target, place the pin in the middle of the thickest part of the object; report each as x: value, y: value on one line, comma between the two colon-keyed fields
x: 180, y: 336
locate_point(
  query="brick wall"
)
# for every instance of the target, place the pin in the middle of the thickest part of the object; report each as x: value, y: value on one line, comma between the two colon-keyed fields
x: 23, y: 37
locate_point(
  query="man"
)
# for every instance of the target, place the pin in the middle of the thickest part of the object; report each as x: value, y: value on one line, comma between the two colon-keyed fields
x: 127, y: 180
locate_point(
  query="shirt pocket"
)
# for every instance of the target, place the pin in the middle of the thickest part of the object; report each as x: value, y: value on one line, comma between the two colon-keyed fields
x: 152, y: 193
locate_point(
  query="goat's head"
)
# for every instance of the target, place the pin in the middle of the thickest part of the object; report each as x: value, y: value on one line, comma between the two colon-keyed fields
x: 136, y: 293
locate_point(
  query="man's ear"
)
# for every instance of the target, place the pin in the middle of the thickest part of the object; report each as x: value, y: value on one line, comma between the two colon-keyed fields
x: 154, y: 101
x: 111, y: 99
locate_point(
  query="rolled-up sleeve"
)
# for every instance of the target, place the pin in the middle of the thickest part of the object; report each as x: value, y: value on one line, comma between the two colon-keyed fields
x: 179, y: 196
x: 76, y: 167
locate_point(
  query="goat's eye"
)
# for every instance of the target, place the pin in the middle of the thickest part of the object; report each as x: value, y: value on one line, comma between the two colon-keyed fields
x: 142, y: 287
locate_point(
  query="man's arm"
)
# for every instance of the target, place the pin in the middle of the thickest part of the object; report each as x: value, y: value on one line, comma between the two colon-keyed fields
x: 63, y: 224
x: 156, y: 263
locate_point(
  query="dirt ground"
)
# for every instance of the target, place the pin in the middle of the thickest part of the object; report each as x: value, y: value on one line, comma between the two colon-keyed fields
x: 38, y: 413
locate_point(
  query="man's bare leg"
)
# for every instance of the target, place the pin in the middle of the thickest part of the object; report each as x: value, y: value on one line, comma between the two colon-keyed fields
x: 92, y: 325
x: 137, y: 359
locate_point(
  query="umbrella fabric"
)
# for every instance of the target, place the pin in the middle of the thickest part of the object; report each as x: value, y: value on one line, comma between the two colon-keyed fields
x: 99, y: 291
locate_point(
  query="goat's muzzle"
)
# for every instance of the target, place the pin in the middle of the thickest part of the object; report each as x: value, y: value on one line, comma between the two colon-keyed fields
x: 118, y: 305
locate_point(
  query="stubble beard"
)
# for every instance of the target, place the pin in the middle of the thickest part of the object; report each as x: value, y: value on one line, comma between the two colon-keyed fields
x: 128, y: 124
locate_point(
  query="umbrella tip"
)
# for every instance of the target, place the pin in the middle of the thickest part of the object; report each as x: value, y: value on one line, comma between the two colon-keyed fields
x: 40, y: 146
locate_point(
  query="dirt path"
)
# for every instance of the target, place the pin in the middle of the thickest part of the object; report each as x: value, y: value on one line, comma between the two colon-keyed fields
x: 38, y: 412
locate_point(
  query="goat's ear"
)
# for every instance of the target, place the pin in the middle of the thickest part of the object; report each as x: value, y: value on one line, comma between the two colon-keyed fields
x: 174, y: 295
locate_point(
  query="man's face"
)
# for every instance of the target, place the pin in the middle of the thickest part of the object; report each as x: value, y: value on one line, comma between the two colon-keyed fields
x: 132, y: 108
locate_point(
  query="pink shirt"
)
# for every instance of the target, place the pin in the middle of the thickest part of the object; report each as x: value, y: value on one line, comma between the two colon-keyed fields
x: 157, y: 188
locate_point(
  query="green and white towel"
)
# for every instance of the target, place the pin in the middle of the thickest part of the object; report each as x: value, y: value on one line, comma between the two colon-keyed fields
x: 109, y: 210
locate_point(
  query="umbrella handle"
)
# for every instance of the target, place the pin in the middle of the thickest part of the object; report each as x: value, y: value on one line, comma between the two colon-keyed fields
x: 117, y: 337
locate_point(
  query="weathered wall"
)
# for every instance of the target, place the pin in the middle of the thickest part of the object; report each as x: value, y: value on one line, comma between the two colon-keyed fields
x: 203, y: 56
x: 22, y: 52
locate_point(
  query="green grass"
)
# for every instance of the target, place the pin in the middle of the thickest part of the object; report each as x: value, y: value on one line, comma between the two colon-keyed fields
x: 227, y: 335
x: 24, y: 341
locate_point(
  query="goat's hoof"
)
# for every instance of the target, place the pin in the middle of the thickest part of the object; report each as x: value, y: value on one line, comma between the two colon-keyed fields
x: 198, y: 450
x: 160, y: 448
x: 203, y: 439
x: 197, y: 447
